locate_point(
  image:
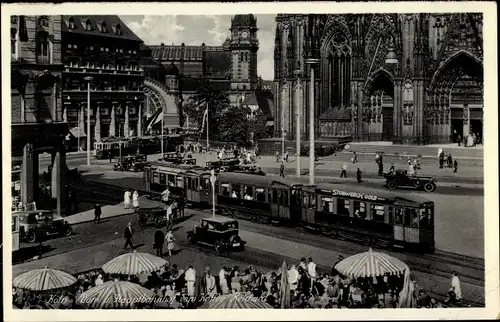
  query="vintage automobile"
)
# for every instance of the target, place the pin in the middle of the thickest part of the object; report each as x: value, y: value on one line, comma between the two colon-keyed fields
x: 323, y: 150
x: 400, y: 178
x: 218, y: 232
x: 227, y: 162
x: 36, y: 225
x: 173, y: 157
x: 131, y: 163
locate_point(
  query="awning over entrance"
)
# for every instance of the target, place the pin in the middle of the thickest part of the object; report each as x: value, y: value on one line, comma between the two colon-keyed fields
x: 77, y: 132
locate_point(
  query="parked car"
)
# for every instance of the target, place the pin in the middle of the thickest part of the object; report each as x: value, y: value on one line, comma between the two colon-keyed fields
x: 130, y: 163
x: 400, y: 178
x: 219, y: 232
x: 35, y: 225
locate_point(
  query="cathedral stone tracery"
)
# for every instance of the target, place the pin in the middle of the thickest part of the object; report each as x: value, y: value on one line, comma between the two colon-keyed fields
x: 406, y: 78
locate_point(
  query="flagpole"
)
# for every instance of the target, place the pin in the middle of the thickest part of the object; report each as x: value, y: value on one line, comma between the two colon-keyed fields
x: 207, y: 128
x: 161, y: 135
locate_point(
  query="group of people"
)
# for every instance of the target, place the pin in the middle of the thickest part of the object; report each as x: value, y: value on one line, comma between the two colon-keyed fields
x: 186, y: 288
x: 446, y: 161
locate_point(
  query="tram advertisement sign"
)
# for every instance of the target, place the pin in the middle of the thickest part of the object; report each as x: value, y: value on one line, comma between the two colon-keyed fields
x: 357, y: 195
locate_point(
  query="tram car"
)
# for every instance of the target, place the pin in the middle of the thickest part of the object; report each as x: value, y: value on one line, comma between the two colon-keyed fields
x: 190, y: 181
x: 114, y: 147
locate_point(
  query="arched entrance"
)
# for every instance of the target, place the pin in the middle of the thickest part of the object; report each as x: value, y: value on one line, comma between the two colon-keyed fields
x: 158, y: 100
x: 378, y: 111
x: 455, y: 100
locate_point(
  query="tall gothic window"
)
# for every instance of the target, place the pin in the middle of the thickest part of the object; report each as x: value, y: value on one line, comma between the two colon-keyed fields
x: 337, y: 70
x: 42, y: 47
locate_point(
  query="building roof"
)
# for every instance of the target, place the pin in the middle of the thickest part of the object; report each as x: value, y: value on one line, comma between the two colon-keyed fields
x: 336, y: 114
x: 97, y: 22
x: 244, y: 21
x: 182, y: 52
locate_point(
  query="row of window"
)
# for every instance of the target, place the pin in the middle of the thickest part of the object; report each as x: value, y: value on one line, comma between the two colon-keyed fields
x: 87, y: 25
x: 103, y: 111
x: 104, y: 49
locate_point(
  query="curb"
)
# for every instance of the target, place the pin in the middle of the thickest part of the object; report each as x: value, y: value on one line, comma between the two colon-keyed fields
x: 102, y: 218
x: 409, y: 155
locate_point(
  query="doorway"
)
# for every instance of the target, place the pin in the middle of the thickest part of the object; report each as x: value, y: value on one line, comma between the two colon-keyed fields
x: 457, y: 125
x: 476, y: 127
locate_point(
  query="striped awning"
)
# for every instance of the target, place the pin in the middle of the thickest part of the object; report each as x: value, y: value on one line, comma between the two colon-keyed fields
x: 134, y: 263
x: 236, y: 301
x: 370, y: 264
x: 43, y: 279
x: 114, y: 295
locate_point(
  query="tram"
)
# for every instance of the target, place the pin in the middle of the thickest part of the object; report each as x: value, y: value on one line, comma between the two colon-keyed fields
x: 189, y: 181
x: 360, y: 214
x: 145, y: 145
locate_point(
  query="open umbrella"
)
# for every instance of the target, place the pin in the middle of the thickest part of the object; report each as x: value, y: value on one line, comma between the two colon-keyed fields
x: 236, y: 301
x: 285, y: 299
x: 43, y: 279
x: 134, y: 263
x: 370, y: 264
x: 114, y: 295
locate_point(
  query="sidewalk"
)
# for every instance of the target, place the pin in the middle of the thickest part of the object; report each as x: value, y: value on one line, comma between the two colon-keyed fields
x: 108, y: 211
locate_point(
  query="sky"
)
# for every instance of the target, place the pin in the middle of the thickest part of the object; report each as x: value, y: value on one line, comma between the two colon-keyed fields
x: 198, y: 29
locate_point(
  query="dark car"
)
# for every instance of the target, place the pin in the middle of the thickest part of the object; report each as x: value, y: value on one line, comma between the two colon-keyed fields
x: 227, y: 162
x: 219, y: 232
x: 36, y: 225
x: 130, y: 163
x: 173, y: 157
x: 321, y: 151
x: 400, y: 178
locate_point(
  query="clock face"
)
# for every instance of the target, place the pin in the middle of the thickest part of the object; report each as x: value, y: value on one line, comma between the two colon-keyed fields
x: 244, y: 34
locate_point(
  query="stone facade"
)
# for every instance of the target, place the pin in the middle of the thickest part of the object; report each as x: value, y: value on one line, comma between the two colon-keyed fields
x: 406, y: 78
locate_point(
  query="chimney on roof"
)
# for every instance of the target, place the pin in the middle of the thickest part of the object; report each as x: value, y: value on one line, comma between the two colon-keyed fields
x: 162, y: 44
x: 183, y: 45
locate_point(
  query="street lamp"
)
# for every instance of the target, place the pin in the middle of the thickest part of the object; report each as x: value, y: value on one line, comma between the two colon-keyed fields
x: 311, y: 62
x: 88, y: 79
x: 213, y: 178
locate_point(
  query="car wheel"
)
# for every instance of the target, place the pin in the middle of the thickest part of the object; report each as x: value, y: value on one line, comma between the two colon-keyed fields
x: 430, y: 187
x: 218, y: 246
x: 392, y: 185
x: 31, y: 237
x: 68, y: 231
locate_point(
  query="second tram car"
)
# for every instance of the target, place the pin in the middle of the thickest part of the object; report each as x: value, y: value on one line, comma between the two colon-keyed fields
x: 144, y: 145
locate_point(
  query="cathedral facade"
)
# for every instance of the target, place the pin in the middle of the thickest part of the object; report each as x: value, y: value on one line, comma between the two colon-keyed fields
x: 406, y: 78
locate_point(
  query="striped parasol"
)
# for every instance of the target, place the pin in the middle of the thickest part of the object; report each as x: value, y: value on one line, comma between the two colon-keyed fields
x: 370, y: 264
x: 134, y: 263
x: 114, y: 295
x: 43, y: 279
x: 236, y: 301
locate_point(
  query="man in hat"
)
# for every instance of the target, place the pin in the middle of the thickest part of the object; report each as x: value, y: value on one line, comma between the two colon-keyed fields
x: 128, y: 234
x: 97, y: 214
x: 159, y: 240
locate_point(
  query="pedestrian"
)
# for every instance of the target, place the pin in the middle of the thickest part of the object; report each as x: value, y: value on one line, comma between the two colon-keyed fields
x: 459, y: 139
x: 450, y: 161
x: 441, y: 159
x: 97, y: 214
x: 286, y: 156
x: 380, y: 168
x: 110, y: 156
x: 392, y: 169
x: 128, y: 235
x: 165, y: 195
x: 311, y: 271
x: 411, y: 170
x: 354, y: 158
x: 135, y: 199
x: 126, y: 199
x: 223, y: 280
x: 343, y: 173
x: 282, y: 169
x: 277, y: 156
x: 159, y: 240
x: 169, y: 238
x: 168, y: 215
x: 190, y: 277
x: 208, y: 284
x: 358, y: 175
x: 455, y: 286
x: 455, y: 166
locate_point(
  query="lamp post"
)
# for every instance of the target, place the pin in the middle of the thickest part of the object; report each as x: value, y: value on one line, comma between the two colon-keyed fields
x: 213, y: 178
x: 88, y: 79
x: 311, y: 62
x: 297, y: 125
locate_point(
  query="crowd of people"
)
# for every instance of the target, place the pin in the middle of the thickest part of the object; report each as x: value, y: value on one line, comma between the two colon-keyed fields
x: 176, y: 288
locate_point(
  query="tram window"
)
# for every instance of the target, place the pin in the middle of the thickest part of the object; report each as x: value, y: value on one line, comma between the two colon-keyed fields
x: 171, y: 180
x: 430, y: 219
x: 225, y: 189
x: 163, y: 178
x: 285, y: 198
x: 180, y: 182
x: 327, y: 204
x: 406, y: 217
x: 248, y: 193
x: 156, y: 178
x: 413, y: 216
x: 398, y: 216
x: 422, y: 217
x: 343, y: 207
x: 305, y: 200
x: 377, y: 212
x: 391, y: 213
x: 275, y: 197
x: 236, y: 191
x: 260, y: 195
x: 194, y: 183
x: 360, y: 209
x: 312, y: 201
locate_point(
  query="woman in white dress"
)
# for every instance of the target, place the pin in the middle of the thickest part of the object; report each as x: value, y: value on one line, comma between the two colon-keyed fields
x: 126, y: 199
x: 135, y: 199
x: 169, y: 238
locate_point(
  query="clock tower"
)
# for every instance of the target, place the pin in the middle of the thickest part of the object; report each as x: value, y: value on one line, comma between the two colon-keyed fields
x: 244, y: 47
